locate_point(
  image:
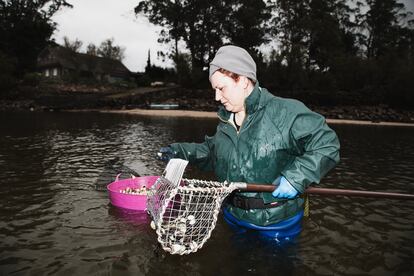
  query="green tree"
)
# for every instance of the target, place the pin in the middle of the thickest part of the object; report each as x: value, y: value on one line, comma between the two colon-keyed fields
x: 205, y: 25
x: 313, y: 32
x: 290, y: 26
x: 91, y: 49
x: 168, y: 15
x: 7, y: 67
x: 25, y: 29
x: 74, y: 45
x: 183, y: 69
x: 247, y: 24
x: 330, y: 33
x: 384, y: 27
x: 108, y: 49
x: 195, y: 22
x: 148, y: 67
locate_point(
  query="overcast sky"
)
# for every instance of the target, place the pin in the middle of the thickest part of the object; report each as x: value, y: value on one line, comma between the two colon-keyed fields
x: 93, y: 21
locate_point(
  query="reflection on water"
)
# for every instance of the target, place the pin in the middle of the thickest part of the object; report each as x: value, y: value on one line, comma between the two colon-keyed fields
x: 55, y: 217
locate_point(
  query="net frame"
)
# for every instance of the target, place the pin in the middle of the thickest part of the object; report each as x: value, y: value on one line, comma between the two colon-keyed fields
x: 185, y: 213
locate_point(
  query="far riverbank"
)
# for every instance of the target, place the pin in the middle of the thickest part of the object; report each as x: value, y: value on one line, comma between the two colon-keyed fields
x: 213, y: 115
x: 143, y: 100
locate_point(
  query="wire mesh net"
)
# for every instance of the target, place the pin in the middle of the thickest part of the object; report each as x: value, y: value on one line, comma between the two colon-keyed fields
x: 185, y: 213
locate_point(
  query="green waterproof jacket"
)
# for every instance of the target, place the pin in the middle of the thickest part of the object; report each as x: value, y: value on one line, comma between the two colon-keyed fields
x: 278, y: 137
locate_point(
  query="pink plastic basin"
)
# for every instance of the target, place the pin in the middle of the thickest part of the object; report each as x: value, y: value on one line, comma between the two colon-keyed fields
x: 128, y: 201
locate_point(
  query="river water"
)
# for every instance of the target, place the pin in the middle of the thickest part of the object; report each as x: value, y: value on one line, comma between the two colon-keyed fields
x: 55, y: 216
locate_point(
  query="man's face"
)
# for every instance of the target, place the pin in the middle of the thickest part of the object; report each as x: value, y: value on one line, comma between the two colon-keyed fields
x: 228, y: 91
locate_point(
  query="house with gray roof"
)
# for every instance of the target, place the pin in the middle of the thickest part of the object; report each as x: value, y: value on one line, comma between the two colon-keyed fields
x: 59, y: 62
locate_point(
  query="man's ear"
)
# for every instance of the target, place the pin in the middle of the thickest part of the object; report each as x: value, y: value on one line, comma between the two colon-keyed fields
x: 244, y: 81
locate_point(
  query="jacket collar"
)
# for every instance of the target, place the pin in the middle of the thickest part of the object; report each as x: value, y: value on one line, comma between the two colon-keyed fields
x: 252, y: 103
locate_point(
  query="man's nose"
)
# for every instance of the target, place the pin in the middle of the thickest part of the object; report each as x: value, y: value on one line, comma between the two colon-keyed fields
x: 218, y: 95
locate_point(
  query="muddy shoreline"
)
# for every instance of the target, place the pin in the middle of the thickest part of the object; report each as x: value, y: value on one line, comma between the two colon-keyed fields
x: 213, y: 115
x: 193, y: 103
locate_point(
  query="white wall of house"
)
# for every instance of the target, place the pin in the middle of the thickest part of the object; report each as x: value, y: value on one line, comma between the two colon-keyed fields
x: 52, y: 72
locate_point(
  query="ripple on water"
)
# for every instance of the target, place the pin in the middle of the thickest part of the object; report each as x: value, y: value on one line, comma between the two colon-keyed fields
x: 55, y: 216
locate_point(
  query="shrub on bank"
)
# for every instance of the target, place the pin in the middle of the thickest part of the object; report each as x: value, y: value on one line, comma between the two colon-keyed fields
x: 32, y: 79
x: 7, y: 80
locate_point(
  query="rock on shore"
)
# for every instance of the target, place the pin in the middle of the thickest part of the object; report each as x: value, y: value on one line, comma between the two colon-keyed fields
x: 67, y: 97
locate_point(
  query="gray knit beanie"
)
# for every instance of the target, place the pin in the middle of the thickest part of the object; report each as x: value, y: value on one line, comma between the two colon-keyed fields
x: 234, y: 59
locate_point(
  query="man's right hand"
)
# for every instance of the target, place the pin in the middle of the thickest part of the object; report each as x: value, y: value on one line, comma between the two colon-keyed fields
x: 165, y: 154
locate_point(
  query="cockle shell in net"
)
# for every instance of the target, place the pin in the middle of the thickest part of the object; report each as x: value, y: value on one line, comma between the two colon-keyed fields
x: 193, y: 245
x: 191, y: 219
x: 181, y: 228
x: 177, y: 248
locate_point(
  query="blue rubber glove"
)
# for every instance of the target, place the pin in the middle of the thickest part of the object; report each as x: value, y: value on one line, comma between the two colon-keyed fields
x: 165, y: 154
x: 285, y: 189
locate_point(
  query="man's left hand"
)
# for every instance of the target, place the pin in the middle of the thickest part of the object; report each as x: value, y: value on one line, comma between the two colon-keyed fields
x: 285, y: 189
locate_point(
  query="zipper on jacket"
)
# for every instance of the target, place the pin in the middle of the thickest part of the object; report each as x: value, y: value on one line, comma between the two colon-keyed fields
x: 234, y: 140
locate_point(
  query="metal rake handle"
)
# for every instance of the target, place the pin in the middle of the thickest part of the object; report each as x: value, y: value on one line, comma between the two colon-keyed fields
x: 324, y: 191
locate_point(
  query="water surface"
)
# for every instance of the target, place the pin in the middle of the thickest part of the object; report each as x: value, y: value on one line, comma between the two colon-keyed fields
x: 55, y: 216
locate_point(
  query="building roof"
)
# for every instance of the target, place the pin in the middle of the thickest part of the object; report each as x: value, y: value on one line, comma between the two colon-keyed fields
x: 66, y: 58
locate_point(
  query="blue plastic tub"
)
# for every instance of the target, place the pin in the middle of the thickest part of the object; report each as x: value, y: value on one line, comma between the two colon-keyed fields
x: 287, y: 229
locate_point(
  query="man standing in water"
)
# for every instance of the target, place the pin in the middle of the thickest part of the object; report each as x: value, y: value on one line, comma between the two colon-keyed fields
x: 260, y: 139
